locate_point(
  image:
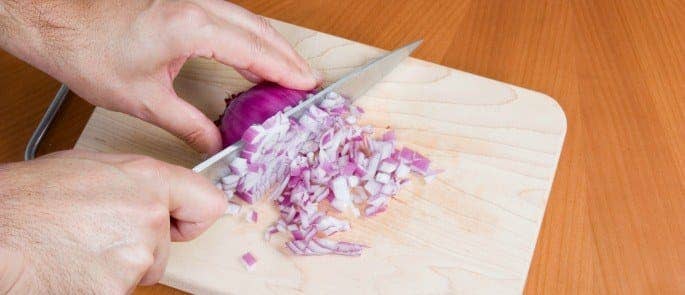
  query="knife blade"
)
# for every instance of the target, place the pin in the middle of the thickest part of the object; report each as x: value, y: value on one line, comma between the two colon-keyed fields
x: 352, y: 86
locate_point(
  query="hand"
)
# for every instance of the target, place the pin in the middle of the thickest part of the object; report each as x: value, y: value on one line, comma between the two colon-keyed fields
x: 84, y: 222
x: 124, y: 55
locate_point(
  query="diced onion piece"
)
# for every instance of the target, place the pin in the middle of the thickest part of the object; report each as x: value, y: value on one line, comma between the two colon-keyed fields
x: 330, y: 225
x: 252, y: 216
x: 351, y: 119
x: 388, y: 166
x: 232, y: 209
x: 373, y: 164
x: 254, y: 134
x: 389, y: 135
x: 270, y: 231
x: 230, y: 181
x: 238, y: 166
x: 382, y: 178
x: 389, y: 189
x: 249, y: 261
x: 402, y: 171
x: 353, y: 180
x: 341, y: 191
x: 372, y: 187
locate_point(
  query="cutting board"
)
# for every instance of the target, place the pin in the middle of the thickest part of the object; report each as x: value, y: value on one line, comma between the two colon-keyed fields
x: 472, y: 230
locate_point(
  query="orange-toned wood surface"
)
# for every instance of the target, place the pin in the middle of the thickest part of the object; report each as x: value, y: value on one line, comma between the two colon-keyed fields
x: 614, y: 221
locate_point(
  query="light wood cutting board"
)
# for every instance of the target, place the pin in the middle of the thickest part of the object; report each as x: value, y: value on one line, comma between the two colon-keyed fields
x: 473, y: 230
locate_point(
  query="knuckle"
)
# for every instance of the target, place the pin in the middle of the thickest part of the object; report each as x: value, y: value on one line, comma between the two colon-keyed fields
x: 158, y: 217
x: 138, y: 260
x: 263, y: 26
x: 257, y: 46
x: 147, y: 166
x: 144, y: 262
x: 186, y: 13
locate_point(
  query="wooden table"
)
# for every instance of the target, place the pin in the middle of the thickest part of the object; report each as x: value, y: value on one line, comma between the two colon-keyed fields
x: 615, y: 221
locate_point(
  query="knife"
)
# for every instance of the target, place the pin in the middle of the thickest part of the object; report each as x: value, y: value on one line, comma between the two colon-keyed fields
x: 352, y: 86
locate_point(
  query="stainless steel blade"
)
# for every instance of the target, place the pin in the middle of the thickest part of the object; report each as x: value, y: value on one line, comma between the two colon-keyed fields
x: 352, y: 86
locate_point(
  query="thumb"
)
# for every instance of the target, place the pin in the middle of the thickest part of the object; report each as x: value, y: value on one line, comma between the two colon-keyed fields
x: 182, y: 119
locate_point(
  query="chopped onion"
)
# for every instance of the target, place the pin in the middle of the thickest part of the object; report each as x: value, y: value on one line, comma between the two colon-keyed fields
x: 402, y: 171
x: 252, y: 216
x: 249, y: 261
x: 341, y: 191
x: 382, y: 178
x: 388, y: 166
x: 232, y: 209
x: 321, y: 157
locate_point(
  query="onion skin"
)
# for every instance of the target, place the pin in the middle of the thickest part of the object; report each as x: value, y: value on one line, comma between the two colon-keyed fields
x: 254, y: 106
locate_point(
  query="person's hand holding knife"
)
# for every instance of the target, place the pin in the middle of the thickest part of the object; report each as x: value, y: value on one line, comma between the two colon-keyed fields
x: 86, y: 222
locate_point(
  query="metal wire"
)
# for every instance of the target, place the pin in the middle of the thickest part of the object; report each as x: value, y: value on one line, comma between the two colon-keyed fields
x: 45, y: 122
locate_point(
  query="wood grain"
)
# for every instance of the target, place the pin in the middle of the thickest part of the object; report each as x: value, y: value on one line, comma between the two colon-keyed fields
x: 614, y: 221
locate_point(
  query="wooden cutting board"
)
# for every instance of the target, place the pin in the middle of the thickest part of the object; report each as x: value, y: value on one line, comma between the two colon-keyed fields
x: 472, y: 230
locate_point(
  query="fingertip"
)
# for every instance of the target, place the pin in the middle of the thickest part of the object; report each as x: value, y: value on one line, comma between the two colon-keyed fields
x: 182, y: 119
x: 214, y: 144
x: 309, y: 78
x: 302, y: 81
x: 182, y: 231
x: 205, y: 138
x: 250, y: 76
x: 219, y: 205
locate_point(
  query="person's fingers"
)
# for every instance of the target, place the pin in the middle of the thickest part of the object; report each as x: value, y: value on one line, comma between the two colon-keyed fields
x: 194, y: 202
x: 161, y: 255
x: 243, y: 49
x: 166, y: 110
x: 257, y: 24
x: 250, y: 76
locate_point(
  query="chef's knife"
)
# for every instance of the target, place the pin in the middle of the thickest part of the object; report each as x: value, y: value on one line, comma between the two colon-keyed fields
x: 352, y: 86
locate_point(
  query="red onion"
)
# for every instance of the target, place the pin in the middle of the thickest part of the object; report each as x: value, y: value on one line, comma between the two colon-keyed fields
x: 254, y: 106
x: 321, y: 157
